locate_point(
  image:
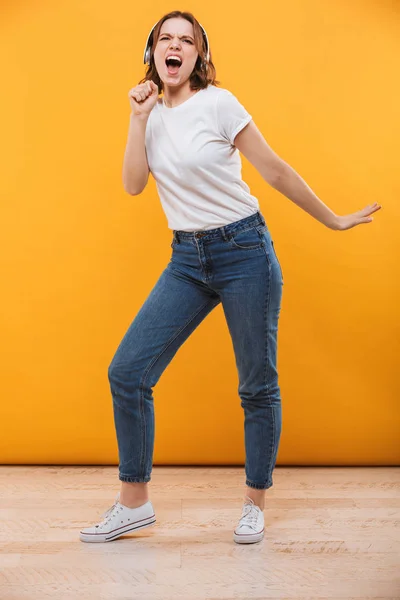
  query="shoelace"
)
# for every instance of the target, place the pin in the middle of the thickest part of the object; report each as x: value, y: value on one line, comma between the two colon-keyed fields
x: 250, y: 515
x: 109, y: 513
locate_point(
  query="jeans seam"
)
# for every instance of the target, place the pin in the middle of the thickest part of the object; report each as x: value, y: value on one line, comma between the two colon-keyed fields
x: 277, y: 259
x: 267, y: 355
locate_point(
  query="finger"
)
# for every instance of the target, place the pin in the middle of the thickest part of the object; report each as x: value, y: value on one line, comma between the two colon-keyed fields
x: 139, y: 93
x: 369, y: 211
x: 371, y: 208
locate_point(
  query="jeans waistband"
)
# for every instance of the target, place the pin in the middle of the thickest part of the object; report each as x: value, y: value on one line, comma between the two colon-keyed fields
x: 223, y: 232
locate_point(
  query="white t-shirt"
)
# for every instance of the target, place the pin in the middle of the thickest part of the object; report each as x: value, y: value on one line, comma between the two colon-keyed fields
x: 191, y: 155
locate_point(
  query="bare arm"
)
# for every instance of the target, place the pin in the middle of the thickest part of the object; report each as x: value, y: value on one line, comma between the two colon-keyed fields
x: 281, y: 176
x: 135, y: 171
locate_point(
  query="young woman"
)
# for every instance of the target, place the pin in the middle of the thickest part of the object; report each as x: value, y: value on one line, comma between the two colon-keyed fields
x: 222, y: 253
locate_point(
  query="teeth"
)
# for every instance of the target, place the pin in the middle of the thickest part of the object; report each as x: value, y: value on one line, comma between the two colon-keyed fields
x: 174, y: 57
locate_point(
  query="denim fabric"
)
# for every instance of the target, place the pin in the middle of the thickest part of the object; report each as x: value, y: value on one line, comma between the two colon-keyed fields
x: 236, y: 265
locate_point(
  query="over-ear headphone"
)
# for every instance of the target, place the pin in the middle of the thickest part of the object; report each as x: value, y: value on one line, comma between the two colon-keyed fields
x: 149, y: 43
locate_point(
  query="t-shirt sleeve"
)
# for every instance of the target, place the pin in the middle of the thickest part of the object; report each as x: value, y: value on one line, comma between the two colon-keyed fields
x: 232, y: 116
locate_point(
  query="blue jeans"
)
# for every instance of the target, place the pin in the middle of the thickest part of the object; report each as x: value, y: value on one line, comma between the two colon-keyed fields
x: 235, y: 264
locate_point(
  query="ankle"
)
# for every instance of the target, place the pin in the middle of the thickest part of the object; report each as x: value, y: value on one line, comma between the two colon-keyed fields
x: 257, y: 496
x: 133, y: 504
x: 133, y: 495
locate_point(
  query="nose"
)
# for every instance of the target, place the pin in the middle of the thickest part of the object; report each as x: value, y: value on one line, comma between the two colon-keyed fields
x: 174, y: 42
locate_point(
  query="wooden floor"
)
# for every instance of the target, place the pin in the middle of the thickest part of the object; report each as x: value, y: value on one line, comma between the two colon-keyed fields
x: 329, y: 533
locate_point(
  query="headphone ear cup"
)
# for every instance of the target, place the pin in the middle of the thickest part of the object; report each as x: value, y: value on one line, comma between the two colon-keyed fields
x: 148, y: 54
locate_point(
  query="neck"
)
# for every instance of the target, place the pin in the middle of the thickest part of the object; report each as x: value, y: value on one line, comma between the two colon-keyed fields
x: 173, y: 96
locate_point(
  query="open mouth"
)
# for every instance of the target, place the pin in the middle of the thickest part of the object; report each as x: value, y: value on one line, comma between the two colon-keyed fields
x: 173, y: 65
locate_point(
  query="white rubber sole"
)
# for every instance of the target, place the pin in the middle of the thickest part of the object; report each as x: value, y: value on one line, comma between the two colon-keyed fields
x: 109, y: 536
x: 248, y: 538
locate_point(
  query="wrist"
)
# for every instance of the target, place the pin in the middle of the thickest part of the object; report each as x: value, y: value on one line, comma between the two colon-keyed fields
x: 334, y: 223
x: 138, y: 116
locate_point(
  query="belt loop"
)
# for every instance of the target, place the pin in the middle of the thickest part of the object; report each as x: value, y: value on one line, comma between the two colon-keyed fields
x: 176, y: 237
x: 224, y: 236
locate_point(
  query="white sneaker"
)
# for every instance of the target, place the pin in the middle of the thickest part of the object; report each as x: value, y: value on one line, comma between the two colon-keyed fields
x: 119, y: 520
x: 251, y: 524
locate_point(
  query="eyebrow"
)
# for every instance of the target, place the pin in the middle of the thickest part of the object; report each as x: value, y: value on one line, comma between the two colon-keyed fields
x: 181, y: 36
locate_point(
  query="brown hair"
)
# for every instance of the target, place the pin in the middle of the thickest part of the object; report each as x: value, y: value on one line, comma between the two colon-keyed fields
x: 201, y: 76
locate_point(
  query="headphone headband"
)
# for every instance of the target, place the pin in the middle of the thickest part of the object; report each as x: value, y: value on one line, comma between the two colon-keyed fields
x: 146, y: 55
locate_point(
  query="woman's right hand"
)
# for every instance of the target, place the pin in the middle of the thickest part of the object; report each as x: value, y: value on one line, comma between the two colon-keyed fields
x: 143, y: 97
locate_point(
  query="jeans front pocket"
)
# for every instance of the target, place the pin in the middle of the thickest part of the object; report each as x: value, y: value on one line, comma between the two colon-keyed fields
x: 248, y: 239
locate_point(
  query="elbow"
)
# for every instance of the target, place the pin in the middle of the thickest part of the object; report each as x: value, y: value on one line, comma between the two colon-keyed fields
x: 276, y: 173
x: 132, y: 192
x: 136, y: 189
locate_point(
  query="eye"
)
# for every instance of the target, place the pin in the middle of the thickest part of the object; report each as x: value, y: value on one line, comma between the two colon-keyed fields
x: 186, y: 39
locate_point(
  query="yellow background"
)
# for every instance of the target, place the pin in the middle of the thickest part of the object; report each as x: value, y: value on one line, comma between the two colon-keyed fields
x: 79, y: 255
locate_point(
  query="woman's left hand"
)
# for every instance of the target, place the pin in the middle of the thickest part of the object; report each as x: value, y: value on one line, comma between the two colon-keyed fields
x: 361, y: 216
